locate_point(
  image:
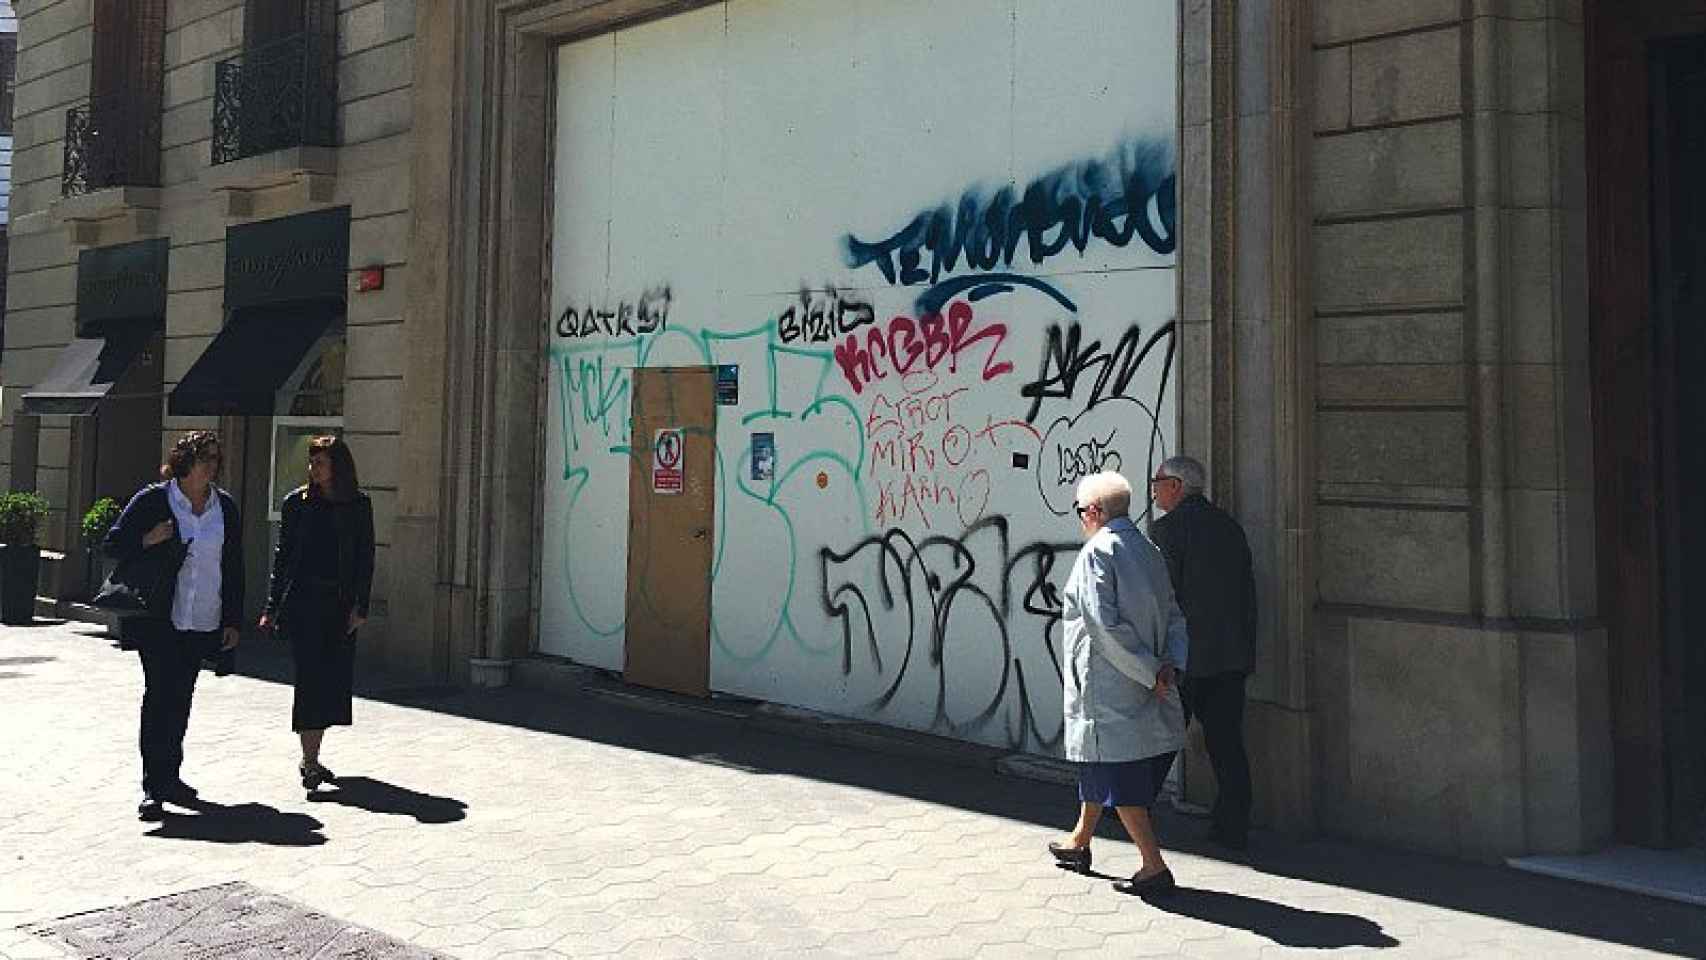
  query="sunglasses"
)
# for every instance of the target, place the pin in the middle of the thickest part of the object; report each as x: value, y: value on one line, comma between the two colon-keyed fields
x: 1155, y: 480
x: 1081, y: 510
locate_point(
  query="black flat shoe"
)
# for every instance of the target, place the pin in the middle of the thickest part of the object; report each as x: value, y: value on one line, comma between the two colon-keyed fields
x: 149, y: 810
x: 1077, y: 858
x: 1157, y: 886
x: 178, y: 792
x: 314, y: 774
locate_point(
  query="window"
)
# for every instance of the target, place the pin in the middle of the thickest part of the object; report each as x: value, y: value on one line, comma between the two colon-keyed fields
x: 8, y: 80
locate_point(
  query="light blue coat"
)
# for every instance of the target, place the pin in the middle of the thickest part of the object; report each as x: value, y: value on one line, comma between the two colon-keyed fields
x: 1121, y: 625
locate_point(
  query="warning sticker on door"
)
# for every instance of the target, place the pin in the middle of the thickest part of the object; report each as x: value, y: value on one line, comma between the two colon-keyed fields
x: 666, y: 461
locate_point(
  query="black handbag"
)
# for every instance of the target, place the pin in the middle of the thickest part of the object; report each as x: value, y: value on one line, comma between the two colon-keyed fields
x: 144, y: 583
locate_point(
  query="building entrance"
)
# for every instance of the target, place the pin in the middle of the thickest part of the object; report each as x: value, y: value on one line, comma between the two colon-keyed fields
x: 1647, y: 248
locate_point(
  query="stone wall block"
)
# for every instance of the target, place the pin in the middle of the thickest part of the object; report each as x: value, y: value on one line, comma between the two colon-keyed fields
x: 384, y: 115
x: 53, y: 53
x: 375, y: 457
x: 195, y: 312
x: 1532, y: 425
x: 181, y: 353
x: 213, y: 37
x: 1398, y: 384
x: 1394, y: 557
x: 1333, y: 88
x: 1416, y: 261
x: 373, y: 406
x: 1531, y: 300
x: 379, y: 240
x: 1389, y: 170
x: 51, y: 287
x: 53, y: 19
x: 375, y: 350
x: 1337, y: 21
x: 41, y: 327
x: 1567, y: 781
x: 1415, y: 448
x: 1409, y: 77
x: 181, y: 13
x: 1422, y: 338
x: 379, y: 70
x: 196, y: 266
x: 1434, y: 727
x: 189, y: 83
x: 55, y: 91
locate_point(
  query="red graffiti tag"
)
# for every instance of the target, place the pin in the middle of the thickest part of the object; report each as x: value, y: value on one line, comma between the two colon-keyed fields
x: 906, y: 345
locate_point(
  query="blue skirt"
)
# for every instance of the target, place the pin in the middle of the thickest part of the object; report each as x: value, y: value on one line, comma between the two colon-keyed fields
x: 1133, y: 783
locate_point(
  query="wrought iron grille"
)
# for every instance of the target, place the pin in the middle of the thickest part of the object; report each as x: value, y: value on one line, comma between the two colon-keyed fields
x: 111, y: 142
x: 282, y: 94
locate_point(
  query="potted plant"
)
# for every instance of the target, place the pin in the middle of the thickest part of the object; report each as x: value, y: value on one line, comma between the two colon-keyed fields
x: 21, y: 514
x: 97, y: 520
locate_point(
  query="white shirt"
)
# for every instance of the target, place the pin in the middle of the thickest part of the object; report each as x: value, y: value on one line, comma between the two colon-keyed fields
x: 197, y: 604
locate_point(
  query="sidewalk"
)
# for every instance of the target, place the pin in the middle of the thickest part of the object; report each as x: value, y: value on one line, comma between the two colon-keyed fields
x: 506, y: 823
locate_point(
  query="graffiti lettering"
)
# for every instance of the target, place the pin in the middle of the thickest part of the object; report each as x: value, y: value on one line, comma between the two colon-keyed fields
x: 930, y: 339
x: 823, y: 315
x: 891, y: 589
x: 1064, y: 361
x: 1086, y: 457
x: 649, y: 314
x: 1128, y: 194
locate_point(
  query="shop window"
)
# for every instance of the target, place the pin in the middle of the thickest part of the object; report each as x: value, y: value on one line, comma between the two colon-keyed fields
x: 290, y: 439
x: 319, y: 392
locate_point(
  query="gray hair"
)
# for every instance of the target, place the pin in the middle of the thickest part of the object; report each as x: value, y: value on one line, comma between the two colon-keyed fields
x: 1189, y: 470
x: 1108, y: 490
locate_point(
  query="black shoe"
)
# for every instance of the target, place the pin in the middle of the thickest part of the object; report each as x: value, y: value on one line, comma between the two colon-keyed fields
x: 177, y: 792
x: 1157, y: 886
x: 149, y: 810
x: 1073, y: 858
x: 314, y: 774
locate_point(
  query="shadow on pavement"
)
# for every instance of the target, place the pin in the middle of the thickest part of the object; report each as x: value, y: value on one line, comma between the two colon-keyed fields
x: 716, y: 732
x: 24, y: 661
x: 240, y: 823
x: 377, y: 796
x: 1286, y: 926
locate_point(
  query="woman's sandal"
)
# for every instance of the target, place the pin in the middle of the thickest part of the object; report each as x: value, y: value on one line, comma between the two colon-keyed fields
x: 1073, y: 858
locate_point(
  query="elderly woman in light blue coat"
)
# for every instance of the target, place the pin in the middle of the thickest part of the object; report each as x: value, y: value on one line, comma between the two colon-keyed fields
x: 1124, y: 646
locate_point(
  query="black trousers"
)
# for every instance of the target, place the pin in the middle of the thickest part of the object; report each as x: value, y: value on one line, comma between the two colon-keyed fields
x: 1218, y: 701
x: 171, y: 660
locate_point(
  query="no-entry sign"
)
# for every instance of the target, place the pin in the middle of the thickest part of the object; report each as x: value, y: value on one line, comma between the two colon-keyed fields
x: 666, y: 461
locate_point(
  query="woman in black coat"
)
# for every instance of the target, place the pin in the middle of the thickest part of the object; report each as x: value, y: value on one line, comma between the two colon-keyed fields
x: 180, y: 542
x: 322, y: 577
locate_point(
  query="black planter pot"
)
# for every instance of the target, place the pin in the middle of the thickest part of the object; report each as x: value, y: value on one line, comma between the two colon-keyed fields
x: 20, y: 565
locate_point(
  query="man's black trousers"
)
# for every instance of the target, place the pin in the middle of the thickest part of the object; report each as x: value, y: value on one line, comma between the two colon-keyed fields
x: 1218, y: 701
x: 171, y: 660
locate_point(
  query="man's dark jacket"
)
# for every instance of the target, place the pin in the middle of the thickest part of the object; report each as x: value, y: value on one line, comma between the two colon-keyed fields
x: 1209, y: 561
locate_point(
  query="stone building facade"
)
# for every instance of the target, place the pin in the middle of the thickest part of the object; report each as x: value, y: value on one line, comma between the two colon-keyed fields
x: 1414, y: 339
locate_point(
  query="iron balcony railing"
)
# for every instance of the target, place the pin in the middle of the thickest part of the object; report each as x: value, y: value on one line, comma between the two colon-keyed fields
x: 111, y: 142
x: 282, y: 94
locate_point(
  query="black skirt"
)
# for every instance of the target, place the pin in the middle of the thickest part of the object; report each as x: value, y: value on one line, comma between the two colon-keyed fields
x: 324, y: 652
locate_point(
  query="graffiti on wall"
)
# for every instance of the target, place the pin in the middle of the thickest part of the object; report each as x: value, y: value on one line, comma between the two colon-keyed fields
x: 931, y: 372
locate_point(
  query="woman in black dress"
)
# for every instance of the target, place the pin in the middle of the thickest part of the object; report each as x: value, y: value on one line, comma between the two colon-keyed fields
x: 322, y: 576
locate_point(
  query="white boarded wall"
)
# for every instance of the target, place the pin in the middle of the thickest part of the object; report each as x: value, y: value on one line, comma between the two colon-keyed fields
x: 936, y: 238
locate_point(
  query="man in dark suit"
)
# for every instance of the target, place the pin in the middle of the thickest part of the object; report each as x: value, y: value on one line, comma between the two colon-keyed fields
x: 1208, y: 558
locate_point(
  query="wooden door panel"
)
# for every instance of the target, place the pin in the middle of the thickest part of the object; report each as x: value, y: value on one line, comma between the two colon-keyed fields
x: 670, y: 536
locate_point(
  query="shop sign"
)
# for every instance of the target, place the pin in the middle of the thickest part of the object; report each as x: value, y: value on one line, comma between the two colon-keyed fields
x: 123, y: 282
x: 304, y: 257
x: 667, y: 450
